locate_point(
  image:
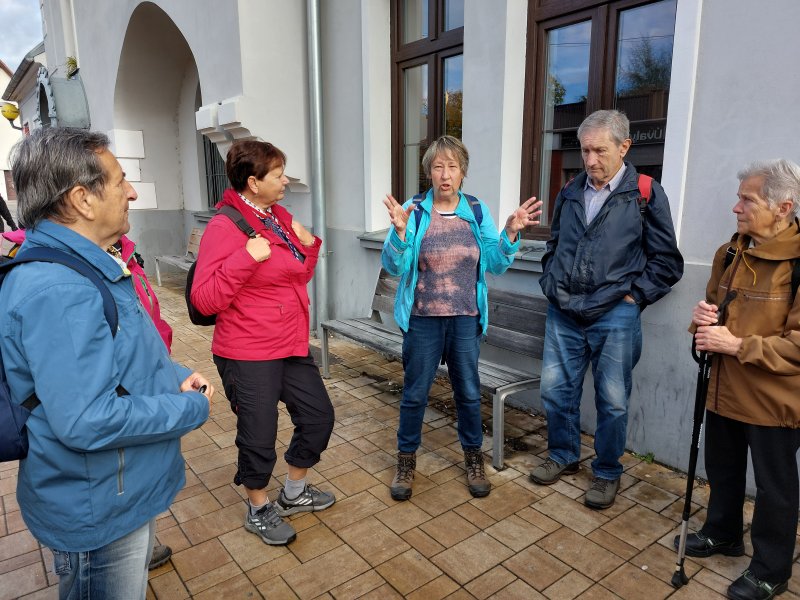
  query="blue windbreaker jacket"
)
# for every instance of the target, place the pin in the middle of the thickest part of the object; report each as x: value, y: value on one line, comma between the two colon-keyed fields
x: 402, y: 257
x: 100, y: 465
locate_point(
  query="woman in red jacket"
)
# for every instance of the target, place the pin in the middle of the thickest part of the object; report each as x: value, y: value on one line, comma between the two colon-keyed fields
x: 257, y: 289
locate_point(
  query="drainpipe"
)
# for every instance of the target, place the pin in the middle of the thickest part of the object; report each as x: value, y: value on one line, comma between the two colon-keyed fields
x: 318, y: 219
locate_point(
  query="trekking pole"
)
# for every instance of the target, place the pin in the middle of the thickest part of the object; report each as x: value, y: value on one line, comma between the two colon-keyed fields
x: 703, y: 360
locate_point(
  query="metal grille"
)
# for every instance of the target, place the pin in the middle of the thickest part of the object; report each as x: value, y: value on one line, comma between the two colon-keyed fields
x: 216, y: 180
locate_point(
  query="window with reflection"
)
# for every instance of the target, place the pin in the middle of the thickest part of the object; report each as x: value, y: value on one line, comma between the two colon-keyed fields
x: 596, y: 55
x: 427, y: 84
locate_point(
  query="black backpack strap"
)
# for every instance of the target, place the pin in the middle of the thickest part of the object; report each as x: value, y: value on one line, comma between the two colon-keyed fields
x: 52, y: 255
x: 235, y: 216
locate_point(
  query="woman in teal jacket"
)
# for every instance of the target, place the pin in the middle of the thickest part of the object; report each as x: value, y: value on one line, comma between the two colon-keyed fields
x: 441, y: 255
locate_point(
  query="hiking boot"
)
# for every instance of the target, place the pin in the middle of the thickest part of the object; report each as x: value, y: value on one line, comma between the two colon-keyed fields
x: 404, y: 476
x: 310, y: 500
x: 161, y: 554
x: 750, y: 587
x: 550, y: 471
x: 701, y: 546
x: 269, y: 526
x: 477, y: 482
x: 602, y: 493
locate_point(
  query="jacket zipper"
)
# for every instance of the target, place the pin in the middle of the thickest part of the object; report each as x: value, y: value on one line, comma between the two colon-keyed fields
x: 120, y: 471
x: 719, y: 360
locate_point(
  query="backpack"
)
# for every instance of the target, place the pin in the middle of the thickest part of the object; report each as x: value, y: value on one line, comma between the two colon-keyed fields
x: 645, y: 191
x: 474, y: 204
x: 195, y: 316
x: 13, y: 435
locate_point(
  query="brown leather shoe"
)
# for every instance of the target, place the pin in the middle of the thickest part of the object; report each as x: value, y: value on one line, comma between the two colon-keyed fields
x: 404, y: 476
x: 479, y: 486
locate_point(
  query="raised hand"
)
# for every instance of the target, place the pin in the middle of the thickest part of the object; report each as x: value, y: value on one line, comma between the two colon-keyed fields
x: 525, y: 216
x: 398, y: 215
x: 258, y: 247
x: 302, y: 234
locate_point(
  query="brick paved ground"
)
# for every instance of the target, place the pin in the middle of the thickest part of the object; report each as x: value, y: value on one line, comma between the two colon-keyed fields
x: 522, y: 541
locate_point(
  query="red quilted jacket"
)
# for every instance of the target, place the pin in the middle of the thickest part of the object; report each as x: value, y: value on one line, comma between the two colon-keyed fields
x: 261, y: 308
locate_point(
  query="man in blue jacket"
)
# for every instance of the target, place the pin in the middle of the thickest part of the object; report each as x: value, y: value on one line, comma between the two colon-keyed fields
x: 611, y: 253
x: 104, y: 457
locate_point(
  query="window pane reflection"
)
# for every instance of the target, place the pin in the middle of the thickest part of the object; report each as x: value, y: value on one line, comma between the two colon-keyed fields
x: 453, y: 14
x: 415, y: 129
x: 453, y: 94
x: 644, y: 60
x: 566, y: 92
x: 415, y: 20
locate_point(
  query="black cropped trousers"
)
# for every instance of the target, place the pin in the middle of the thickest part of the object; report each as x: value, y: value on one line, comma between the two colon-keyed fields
x: 254, y: 389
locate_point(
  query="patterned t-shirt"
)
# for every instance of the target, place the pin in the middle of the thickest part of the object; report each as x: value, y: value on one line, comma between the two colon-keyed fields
x: 448, y: 269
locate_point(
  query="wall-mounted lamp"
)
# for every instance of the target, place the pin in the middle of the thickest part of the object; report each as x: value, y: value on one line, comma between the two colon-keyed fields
x: 10, y: 112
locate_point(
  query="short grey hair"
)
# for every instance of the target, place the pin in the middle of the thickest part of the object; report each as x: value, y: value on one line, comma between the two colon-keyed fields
x: 47, y: 164
x: 614, y: 121
x: 781, y: 181
x: 446, y: 144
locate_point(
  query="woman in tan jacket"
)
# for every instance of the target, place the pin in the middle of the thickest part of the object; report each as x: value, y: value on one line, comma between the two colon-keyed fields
x: 754, y: 393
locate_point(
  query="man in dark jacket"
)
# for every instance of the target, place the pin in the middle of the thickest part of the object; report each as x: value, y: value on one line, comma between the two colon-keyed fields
x: 607, y: 259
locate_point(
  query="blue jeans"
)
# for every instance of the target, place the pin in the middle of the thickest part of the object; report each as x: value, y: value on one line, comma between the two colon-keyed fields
x: 116, y: 571
x: 427, y: 341
x: 612, y: 345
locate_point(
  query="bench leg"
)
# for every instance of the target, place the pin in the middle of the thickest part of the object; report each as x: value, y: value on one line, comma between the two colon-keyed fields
x: 158, y: 273
x: 498, y: 429
x: 326, y: 370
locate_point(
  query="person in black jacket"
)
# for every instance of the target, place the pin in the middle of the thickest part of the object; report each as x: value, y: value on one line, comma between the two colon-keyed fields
x: 610, y: 255
x: 6, y: 214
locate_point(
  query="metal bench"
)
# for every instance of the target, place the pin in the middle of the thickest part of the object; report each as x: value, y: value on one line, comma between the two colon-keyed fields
x: 516, y: 323
x: 182, y: 262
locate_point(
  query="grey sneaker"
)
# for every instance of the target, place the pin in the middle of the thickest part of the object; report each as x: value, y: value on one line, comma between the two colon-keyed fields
x: 269, y: 526
x: 550, y: 471
x: 479, y: 486
x: 404, y: 476
x: 602, y: 493
x: 311, y: 499
x: 161, y: 554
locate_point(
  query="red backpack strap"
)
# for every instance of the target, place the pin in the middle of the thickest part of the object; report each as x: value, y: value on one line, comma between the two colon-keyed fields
x: 645, y: 191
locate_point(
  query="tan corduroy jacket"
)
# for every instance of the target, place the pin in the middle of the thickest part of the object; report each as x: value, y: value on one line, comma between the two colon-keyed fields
x: 761, y: 384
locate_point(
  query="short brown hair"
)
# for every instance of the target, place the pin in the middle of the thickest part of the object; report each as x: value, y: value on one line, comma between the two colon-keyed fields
x: 251, y: 157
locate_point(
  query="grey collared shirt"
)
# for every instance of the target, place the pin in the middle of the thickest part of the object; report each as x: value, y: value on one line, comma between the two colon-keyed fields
x: 594, y: 199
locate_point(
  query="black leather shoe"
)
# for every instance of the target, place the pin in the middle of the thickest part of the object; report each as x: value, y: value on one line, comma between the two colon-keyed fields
x: 750, y: 587
x: 702, y: 546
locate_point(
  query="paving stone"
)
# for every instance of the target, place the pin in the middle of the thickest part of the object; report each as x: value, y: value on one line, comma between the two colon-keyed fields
x: 449, y: 529
x: 505, y: 500
x: 518, y: 590
x: 16, y: 544
x: 195, y: 561
x: 639, y: 526
x: 273, y: 568
x: 598, y: 592
x: 660, y: 562
x: 629, y: 581
x: 490, y: 582
x: 215, y: 523
x: 354, y: 481
x: 19, y: 561
x: 402, y: 516
x: 474, y: 515
x: 650, y: 496
x: 538, y: 568
x: 422, y: 542
x: 169, y: 586
x: 385, y: 592
x: 358, y: 586
x: 440, y: 499
x: 277, y: 589
x: 472, y: 557
x: 571, y: 513
x: 351, y: 510
x: 325, y: 572
x: 515, y: 532
x: 235, y: 587
x: 408, y: 571
x: 585, y: 556
x: 439, y: 588
x: 568, y: 587
x: 201, y: 503
x: 24, y: 580
x: 373, y: 540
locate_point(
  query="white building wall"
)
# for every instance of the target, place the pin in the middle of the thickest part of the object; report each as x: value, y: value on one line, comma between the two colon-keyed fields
x: 8, y: 137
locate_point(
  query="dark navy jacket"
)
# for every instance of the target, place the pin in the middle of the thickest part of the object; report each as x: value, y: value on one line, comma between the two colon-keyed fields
x: 586, y: 270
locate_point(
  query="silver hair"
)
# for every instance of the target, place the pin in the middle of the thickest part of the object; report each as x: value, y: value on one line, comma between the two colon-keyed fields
x: 781, y: 181
x: 446, y: 144
x: 48, y: 164
x: 614, y: 121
